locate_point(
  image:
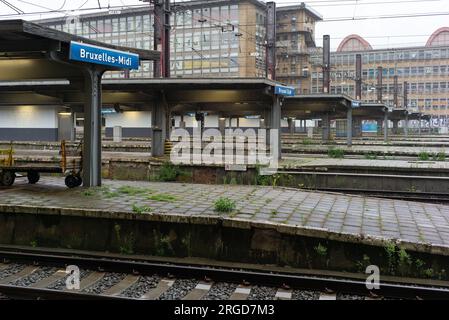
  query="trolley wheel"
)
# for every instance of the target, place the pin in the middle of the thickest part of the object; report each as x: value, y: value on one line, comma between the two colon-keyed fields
x: 79, y: 181
x: 33, y: 177
x: 71, y: 181
x: 8, y: 178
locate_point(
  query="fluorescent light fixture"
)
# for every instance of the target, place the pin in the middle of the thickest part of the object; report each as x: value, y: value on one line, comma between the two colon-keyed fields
x: 34, y: 83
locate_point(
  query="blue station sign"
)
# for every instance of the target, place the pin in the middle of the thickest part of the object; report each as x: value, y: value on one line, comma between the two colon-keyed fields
x: 284, y: 91
x: 356, y: 104
x: 109, y: 57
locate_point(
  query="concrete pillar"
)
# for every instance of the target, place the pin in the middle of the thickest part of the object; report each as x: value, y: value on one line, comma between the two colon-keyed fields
x: 356, y: 127
x: 419, y: 125
x: 66, y: 126
x: 406, y: 124
x: 117, y: 134
x: 349, y: 127
x: 92, y: 128
x: 182, y: 123
x: 275, y: 122
x: 262, y: 123
x: 222, y: 126
x: 395, y: 126
x: 310, y: 133
x: 291, y: 125
x: 326, y: 124
x: 379, y: 127
x: 159, y: 120
x: 386, y: 126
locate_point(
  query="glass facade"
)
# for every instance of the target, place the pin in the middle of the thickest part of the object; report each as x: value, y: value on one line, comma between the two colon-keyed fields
x: 206, y: 40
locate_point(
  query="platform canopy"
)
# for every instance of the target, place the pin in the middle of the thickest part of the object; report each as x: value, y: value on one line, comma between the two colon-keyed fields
x: 315, y: 106
x: 32, y: 55
x: 370, y: 111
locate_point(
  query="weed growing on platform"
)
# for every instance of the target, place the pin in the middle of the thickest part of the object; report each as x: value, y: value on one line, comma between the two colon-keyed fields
x: 371, y: 156
x: 424, y: 156
x: 321, y: 250
x: 89, y: 192
x: 363, y: 264
x: 131, y: 191
x: 307, y: 141
x: 127, y: 244
x: 141, y: 209
x: 336, y: 153
x: 168, y: 172
x: 440, y: 156
x: 163, y: 198
x: 390, y: 249
x: 224, y: 205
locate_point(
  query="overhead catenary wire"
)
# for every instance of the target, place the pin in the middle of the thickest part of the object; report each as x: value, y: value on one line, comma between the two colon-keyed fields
x: 11, y: 6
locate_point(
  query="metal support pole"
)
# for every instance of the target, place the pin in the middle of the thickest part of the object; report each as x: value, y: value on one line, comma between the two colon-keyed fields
x: 271, y: 41
x: 419, y: 126
x: 222, y: 126
x: 276, y: 122
x: 395, y: 126
x: 396, y: 92
x: 159, y: 116
x: 162, y: 27
x: 386, y: 126
x: 358, y: 77
x: 92, y: 128
x: 405, y: 102
x: 182, y: 123
x: 379, y: 84
x: 326, y: 127
x: 349, y: 127
x: 326, y: 64
x: 291, y: 125
x: 406, y: 126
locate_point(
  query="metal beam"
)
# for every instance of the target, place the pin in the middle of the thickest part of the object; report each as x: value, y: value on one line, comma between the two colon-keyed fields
x: 358, y: 77
x: 271, y: 41
x: 326, y: 64
x: 379, y: 84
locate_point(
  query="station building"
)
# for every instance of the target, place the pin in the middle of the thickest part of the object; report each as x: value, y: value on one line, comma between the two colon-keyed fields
x: 425, y: 69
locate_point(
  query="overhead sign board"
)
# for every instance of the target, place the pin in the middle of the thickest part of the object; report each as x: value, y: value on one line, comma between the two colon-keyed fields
x: 356, y: 104
x: 109, y: 57
x: 284, y: 91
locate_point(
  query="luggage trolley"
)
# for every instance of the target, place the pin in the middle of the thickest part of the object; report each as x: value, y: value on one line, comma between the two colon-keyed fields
x: 71, y: 168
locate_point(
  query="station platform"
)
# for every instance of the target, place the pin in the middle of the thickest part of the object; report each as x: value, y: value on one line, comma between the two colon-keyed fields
x: 298, y: 161
x: 382, y: 150
x: 268, y: 225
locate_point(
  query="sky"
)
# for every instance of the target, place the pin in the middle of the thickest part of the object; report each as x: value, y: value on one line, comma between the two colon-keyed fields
x: 380, y: 33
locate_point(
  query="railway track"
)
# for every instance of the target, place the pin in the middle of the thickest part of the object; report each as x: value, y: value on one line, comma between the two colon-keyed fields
x: 42, y: 275
x: 426, y: 197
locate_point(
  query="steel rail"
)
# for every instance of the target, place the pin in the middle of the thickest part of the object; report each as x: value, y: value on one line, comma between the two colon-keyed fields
x: 295, y: 281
